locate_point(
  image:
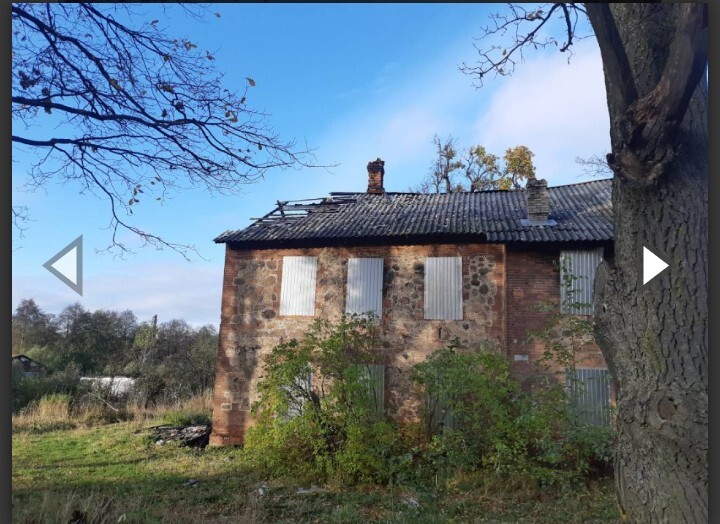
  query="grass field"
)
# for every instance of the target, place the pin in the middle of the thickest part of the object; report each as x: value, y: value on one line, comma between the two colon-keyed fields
x: 114, y: 473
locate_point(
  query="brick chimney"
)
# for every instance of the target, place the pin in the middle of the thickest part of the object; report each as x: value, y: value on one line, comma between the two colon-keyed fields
x: 376, y: 174
x: 537, y: 200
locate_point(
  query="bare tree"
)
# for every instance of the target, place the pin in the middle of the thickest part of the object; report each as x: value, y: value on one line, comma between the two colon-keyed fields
x: 654, y: 337
x: 129, y: 113
x: 444, y: 167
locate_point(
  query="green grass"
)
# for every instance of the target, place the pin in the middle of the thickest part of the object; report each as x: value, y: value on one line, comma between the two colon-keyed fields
x: 185, y: 418
x: 114, y: 473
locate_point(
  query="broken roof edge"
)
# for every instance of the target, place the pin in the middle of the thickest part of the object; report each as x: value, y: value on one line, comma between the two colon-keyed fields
x: 348, y: 193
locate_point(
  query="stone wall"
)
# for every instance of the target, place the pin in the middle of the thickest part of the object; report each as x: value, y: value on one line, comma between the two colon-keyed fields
x: 251, y: 324
x: 502, y: 287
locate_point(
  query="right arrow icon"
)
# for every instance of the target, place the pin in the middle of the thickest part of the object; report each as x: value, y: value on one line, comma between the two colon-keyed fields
x: 652, y: 265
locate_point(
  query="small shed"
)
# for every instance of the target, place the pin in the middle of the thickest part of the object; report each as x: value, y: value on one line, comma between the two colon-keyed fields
x: 30, y: 367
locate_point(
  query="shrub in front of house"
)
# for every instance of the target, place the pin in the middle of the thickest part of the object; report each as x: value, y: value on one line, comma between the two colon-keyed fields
x: 318, y: 418
x: 478, y: 417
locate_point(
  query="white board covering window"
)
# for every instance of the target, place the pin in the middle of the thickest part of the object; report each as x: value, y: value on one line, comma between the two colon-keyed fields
x: 443, y: 288
x: 364, y: 286
x: 297, y: 289
x: 580, y: 266
x: 589, y: 391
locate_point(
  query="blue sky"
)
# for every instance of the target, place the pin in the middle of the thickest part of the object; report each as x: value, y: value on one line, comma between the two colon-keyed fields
x: 357, y: 82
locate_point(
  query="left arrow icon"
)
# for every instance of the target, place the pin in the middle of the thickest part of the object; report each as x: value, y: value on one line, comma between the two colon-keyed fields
x: 67, y: 265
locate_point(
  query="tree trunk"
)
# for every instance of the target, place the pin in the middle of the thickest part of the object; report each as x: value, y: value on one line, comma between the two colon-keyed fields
x: 654, y: 336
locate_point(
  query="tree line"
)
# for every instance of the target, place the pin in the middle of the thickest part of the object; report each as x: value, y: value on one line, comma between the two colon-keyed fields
x: 169, y: 359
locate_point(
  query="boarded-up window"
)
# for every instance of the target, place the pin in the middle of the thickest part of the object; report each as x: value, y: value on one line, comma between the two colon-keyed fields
x: 578, y: 267
x: 443, y: 288
x: 364, y: 286
x: 297, y: 291
x: 298, y: 394
x: 439, y: 415
x: 373, y: 375
x: 589, y: 391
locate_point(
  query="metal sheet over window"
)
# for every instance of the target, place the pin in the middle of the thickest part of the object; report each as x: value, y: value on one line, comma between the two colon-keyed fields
x: 297, y: 290
x: 440, y: 416
x: 298, y: 394
x: 443, y: 288
x: 364, y: 286
x: 581, y: 264
x: 590, y: 391
x: 374, y: 375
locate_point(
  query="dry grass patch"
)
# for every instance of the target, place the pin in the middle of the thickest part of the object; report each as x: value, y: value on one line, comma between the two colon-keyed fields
x: 61, y: 412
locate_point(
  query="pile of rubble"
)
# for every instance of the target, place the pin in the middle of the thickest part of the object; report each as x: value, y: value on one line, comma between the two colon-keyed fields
x: 196, y: 436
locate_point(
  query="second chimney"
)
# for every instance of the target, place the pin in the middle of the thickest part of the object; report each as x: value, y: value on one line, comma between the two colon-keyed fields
x: 376, y: 174
x: 537, y: 200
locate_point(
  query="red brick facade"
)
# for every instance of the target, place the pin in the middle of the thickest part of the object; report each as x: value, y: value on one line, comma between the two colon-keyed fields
x: 533, y: 279
x: 501, y: 289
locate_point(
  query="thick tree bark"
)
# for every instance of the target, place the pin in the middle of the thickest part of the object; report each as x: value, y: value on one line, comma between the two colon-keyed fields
x: 654, y: 336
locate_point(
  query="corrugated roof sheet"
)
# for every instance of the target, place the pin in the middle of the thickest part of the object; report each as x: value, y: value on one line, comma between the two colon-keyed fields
x: 582, y: 212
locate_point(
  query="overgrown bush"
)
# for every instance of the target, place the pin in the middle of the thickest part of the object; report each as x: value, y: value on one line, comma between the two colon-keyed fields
x: 317, y: 417
x: 317, y: 420
x: 28, y: 389
x: 497, y: 425
x: 475, y: 395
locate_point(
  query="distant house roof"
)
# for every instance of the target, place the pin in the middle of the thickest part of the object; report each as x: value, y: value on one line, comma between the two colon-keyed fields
x: 578, y: 212
x: 24, y: 358
x: 29, y: 365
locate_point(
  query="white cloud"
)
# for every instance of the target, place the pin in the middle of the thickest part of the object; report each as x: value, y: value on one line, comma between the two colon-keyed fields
x: 399, y: 123
x: 556, y: 109
x: 187, y: 291
x: 409, y: 131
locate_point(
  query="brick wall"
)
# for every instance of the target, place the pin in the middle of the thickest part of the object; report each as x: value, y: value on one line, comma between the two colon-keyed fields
x: 251, y: 325
x: 502, y: 287
x: 533, y: 278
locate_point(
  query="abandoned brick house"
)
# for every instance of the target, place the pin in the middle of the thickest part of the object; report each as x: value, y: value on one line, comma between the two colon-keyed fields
x: 431, y: 266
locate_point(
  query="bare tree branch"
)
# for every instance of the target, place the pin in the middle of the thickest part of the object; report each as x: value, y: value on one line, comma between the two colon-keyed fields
x: 521, y: 28
x: 651, y: 119
x: 595, y: 166
x: 20, y: 218
x: 125, y: 109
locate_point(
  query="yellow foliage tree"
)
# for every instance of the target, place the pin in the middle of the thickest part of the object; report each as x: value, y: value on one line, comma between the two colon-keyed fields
x: 477, y: 169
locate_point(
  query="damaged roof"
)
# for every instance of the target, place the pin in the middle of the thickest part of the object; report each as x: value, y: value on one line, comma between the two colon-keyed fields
x: 578, y: 212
